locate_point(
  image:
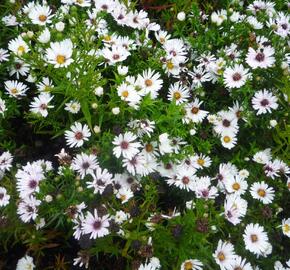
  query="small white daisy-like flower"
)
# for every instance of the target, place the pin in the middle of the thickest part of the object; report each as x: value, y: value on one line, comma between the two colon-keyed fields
x: 115, y: 54
x: 124, y: 194
x: 224, y: 255
x: 271, y: 169
x: 165, y: 146
x: 15, y: 89
x: 228, y: 139
x: 194, y: 113
x: 282, y: 25
x: 255, y: 239
x: 135, y: 165
x: 40, y: 15
x: 28, y: 209
x: 162, y: 36
x: 73, y: 106
x: 5, y: 161
x: 28, y: 179
x: 125, y: 145
x: 39, y: 105
x: 45, y: 85
x: 150, y: 83
x: 241, y: 264
x: 264, y: 101
x: 235, y: 77
x: 44, y: 36
x: 201, y: 161
x: 84, y: 164
x: 2, y: 106
x: 128, y: 93
x: 226, y: 122
x: 262, y: 192
x: 236, y: 185
x: 263, y: 157
x: 203, y: 189
x: 77, y: 135
x: 178, y: 93
x: 95, y: 225
x: 60, y: 53
x: 4, y: 197
x: 286, y: 227
x: 235, y: 208
x: 199, y: 75
x: 121, y: 216
x: 3, y: 55
x: 185, y: 179
x: 142, y: 127
x: 175, y: 50
x: 25, y: 263
x: 19, y: 68
x: 18, y: 46
x: 101, y: 179
x: 191, y: 264
x: 262, y: 58
x: 83, y: 259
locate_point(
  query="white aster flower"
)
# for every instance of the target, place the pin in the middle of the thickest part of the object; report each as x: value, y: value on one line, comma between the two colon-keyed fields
x: 224, y: 255
x: 192, y: 264
x: 261, y: 58
x: 60, y: 53
x: 15, y: 89
x: 262, y: 192
x: 39, y: 105
x: 77, y: 135
x: 84, y: 164
x: 96, y: 225
x: 286, y: 226
x: 256, y: 239
x: 18, y: 46
x: 125, y: 145
x: 235, y: 77
x: 25, y: 263
x: 4, y: 197
x: 40, y: 15
x: 264, y: 101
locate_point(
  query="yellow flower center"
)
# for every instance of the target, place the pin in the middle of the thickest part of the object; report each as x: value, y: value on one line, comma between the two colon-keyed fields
x: 221, y: 256
x: 21, y: 49
x: 42, y: 18
x: 123, y: 197
x: 286, y: 228
x: 46, y: 88
x: 125, y: 94
x: 177, y: 95
x: 169, y: 65
x: 188, y: 266
x: 261, y: 192
x: 236, y: 186
x: 148, y: 82
x: 60, y: 59
x: 14, y: 91
x: 227, y: 139
x: 162, y: 40
x: 200, y: 162
x: 107, y: 38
